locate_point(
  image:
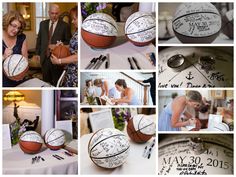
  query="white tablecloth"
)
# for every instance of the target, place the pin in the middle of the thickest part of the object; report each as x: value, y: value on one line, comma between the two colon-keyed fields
x: 16, y: 161
x: 135, y: 163
x: 118, y: 53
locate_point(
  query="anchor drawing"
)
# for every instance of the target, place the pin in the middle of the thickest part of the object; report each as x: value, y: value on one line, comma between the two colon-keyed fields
x: 189, y: 76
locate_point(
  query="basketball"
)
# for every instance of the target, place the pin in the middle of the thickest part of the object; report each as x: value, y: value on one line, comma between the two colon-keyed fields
x: 228, y: 24
x: 54, y: 139
x: 15, y: 67
x: 141, y: 128
x: 99, y: 30
x: 30, y: 142
x: 219, y: 127
x: 108, y: 148
x: 196, y: 23
x: 140, y: 28
x: 61, y: 51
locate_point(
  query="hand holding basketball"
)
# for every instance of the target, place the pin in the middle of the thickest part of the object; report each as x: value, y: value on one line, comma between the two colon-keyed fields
x: 55, y: 60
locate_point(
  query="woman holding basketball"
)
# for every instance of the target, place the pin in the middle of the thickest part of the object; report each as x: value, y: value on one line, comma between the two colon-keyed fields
x: 13, y: 41
x: 70, y: 78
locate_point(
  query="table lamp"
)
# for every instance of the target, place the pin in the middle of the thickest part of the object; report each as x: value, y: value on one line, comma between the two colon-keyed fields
x: 14, y: 96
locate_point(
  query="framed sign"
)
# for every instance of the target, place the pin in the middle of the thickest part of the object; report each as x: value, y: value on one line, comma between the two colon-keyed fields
x: 218, y: 94
x: 101, y: 119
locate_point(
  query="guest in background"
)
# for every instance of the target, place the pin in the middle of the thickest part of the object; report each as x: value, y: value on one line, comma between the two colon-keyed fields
x: 71, y: 74
x: 50, y: 32
x: 127, y: 94
x: 13, y: 41
x: 89, y: 89
x: 152, y: 82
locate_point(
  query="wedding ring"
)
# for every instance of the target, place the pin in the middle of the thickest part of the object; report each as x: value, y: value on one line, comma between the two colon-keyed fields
x: 176, y: 62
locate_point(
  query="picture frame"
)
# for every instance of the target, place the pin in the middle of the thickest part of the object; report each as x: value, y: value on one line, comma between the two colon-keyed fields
x: 101, y: 119
x: 218, y: 94
x: 25, y: 10
x: 6, y: 137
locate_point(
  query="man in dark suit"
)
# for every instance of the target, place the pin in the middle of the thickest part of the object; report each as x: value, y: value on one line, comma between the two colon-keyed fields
x: 50, y: 32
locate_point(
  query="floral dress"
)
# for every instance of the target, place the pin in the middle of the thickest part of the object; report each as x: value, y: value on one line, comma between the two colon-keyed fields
x: 71, y: 76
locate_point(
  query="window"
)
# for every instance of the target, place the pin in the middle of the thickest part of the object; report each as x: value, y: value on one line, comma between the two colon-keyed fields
x: 41, y: 9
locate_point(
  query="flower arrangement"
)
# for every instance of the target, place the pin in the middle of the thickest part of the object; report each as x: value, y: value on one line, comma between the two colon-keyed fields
x: 120, y: 116
x: 88, y: 8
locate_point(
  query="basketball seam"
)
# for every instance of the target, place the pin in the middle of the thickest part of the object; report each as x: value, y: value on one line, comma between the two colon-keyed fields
x: 140, y: 122
x: 9, y: 65
x: 17, y: 65
x: 103, y: 21
x: 110, y: 156
x: 194, y: 13
x: 135, y: 132
x: 104, y: 140
x: 135, y: 20
x: 142, y: 30
x: 145, y: 126
x: 46, y: 138
x: 54, y: 139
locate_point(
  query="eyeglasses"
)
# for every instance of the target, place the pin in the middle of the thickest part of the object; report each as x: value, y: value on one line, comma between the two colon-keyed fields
x: 15, y: 26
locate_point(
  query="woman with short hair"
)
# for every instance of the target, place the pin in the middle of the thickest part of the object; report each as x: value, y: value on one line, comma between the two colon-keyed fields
x: 13, y: 40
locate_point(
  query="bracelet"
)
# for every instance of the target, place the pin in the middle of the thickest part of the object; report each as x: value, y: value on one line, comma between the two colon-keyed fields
x: 59, y: 61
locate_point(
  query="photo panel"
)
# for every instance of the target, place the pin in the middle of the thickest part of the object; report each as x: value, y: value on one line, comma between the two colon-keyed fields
x: 195, y: 154
x: 196, y: 22
x: 40, y: 132
x: 118, y: 36
x: 195, y: 67
x: 118, y: 88
x: 40, y: 44
x: 196, y: 110
x: 118, y: 141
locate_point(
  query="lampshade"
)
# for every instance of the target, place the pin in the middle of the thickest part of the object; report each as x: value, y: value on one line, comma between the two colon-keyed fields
x: 13, y: 96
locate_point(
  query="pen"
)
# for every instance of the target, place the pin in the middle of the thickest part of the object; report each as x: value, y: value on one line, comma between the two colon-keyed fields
x: 56, y: 157
x: 68, y: 153
x: 59, y: 156
x: 136, y: 63
x: 99, y: 63
x: 107, y: 65
x: 153, y: 58
x: 90, y: 63
x: 144, y: 152
x: 95, y: 61
x: 130, y: 63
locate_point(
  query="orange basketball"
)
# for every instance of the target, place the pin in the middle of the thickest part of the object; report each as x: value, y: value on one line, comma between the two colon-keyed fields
x: 30, y: 142
x: 61, y: 51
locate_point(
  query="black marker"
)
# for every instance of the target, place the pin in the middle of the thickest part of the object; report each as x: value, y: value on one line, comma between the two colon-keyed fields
x: 68, y: 153
x: 99, y: 63
x: 56, y: 157
x: 130, y: 63
x: 59, y: 156
x: 95, y: 62
x: 153, y: 58
x: 107, y: 65
x: 91, y: 63
x: 136, y: 63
